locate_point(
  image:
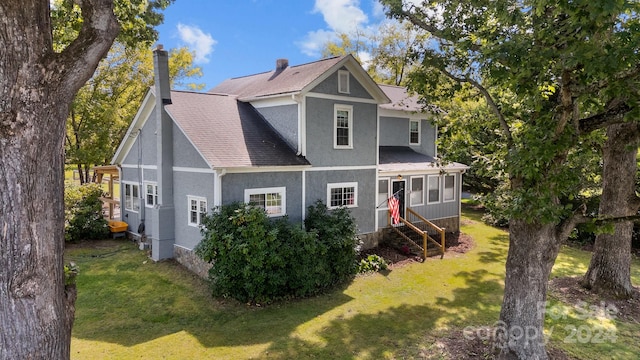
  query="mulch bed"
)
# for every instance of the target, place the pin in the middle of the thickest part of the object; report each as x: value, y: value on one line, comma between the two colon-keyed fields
x: 455, y: 243
x: 569, y: 291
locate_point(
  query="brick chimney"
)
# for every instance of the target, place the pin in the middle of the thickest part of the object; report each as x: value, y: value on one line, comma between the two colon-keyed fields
x: 163, y: 222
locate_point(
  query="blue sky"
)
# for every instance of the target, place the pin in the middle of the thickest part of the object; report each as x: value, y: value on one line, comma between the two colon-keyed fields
x: 234, y: 38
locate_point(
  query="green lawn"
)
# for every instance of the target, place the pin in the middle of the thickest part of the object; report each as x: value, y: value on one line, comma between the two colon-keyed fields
x: 130, y: 307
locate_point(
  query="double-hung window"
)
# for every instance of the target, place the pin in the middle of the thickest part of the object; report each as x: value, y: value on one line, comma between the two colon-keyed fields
x: 417, y: 186
x: 151, y: 194
x: 343, y: 127
x: 197, y: 209
x: 449, y: 188
x: 433, y: 189
x: 414, y: 132
x: 132, y: 197
x: 342, y: 194
x: 272, y: 200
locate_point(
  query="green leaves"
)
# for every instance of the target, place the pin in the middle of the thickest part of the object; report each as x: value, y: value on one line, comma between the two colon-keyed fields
x: 257, y: 260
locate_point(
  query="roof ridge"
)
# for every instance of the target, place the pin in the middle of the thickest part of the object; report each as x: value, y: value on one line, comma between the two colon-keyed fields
x: 200, y: 92
x: 288, y: 67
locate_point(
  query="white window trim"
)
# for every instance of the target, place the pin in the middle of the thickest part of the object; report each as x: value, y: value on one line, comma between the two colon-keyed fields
x: 439, y: 189
x: 384, y: 205
x: 411, y: 190
x: 263, y: 191
x: 419, y: 131
x: 199, y: 199
x: 126, y: 183
x: 349, y: 109
x: 454, y: 188
x: 331, y: 186
x: 344, y: 73
x: 155, y: 197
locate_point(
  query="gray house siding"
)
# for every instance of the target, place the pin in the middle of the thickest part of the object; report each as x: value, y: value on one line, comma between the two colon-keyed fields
x: 394, y: 131
x: 234, y: 185
x: 284, y: 119
x: 320, y: 132
x: 330, y: 86
x: 184, y: 154
x: 190, y: 184
x: 364, y: 213
x: 145, y: 144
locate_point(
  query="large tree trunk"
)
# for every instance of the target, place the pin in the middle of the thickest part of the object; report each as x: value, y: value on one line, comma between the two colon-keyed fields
x: 36, y: 88
x: 533, y: 249
x: 610, y: 268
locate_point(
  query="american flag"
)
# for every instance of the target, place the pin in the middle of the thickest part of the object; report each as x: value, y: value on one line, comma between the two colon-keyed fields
x: 394, y: 209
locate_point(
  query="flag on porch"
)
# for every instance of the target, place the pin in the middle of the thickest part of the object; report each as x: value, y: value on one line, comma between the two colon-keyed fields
x: 394, y: 209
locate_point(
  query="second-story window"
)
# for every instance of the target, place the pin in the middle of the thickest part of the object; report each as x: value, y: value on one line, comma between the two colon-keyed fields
x: 414, y: 132
x: 343, y: 127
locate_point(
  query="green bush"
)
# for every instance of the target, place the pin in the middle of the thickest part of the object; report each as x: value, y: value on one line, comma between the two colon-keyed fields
x: 338, y: 232
x: 83, y: 213
x: 372, y: 263
x: 258, y: 260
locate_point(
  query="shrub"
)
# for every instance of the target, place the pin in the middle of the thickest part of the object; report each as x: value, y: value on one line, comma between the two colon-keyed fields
x: 258, y: 260
x: 372, y: 263
x: 83, y: 213
x: 338, y: 232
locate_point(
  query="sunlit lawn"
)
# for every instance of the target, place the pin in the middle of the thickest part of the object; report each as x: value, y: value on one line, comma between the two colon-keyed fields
x: 130, y: 307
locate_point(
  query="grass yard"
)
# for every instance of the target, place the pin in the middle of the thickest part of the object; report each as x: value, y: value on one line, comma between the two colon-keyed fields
x: 130, y: 307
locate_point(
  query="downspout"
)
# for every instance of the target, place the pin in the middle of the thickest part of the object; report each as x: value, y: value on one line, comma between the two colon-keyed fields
x: 460, y: 198
x: 217, y: 187
x: 141, y: 189
x: 296, y: 98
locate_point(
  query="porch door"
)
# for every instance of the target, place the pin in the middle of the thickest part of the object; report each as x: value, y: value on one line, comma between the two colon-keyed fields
x: 397, y: 188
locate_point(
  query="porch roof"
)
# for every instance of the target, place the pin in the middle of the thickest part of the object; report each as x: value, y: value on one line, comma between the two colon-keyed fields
x: 401, y: 159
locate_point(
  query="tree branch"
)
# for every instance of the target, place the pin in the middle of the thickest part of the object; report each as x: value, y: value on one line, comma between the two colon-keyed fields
x: 613, y: 115
x: 492, y: 104
x: 417, y: 21
x: 566, y: 227
x: 76, y: 64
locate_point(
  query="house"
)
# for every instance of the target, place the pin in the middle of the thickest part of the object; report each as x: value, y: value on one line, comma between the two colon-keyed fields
x: 281, y: 139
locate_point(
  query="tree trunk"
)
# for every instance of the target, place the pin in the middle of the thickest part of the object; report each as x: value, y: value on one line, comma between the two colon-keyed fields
x: 610, y: 268
x: 36, y: 88
x: 533, y: 249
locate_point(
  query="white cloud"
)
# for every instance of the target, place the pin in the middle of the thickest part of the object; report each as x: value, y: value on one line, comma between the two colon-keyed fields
x: 197, y: 41
x: 314, y: 41
x: 343, y: 16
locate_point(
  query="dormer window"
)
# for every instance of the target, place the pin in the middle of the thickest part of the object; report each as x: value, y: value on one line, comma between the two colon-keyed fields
x: 343, y: 81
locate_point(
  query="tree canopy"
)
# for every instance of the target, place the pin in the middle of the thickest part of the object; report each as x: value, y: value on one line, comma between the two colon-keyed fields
x: 550, y: 73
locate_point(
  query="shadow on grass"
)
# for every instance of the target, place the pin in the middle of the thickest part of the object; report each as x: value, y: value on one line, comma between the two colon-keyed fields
x: 498, y: 247
x: 126, y: 299
x: 403, y: 331
x: 477, y: 302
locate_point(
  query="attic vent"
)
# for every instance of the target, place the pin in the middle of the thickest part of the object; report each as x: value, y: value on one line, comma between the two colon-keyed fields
x: 281, y: 64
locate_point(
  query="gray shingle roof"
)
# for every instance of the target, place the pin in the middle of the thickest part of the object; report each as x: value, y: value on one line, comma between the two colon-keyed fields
x: 228, y: 132
x: 401, y: 100
x: 289, y: 80
x: 405, y: 159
